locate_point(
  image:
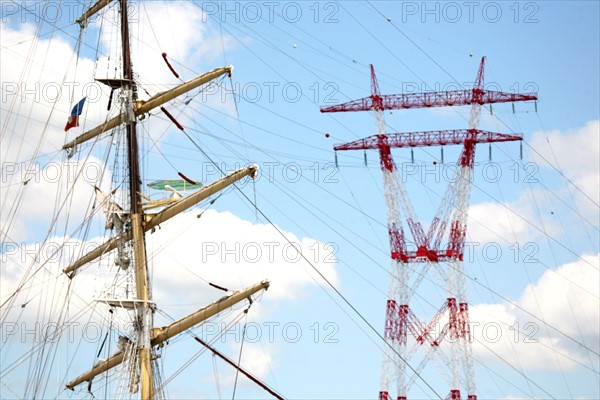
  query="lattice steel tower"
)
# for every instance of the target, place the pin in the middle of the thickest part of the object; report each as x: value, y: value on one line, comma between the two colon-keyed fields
x: 440, y: 248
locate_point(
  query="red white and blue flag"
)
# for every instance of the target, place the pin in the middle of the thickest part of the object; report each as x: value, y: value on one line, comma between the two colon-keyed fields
x: 74, y: 117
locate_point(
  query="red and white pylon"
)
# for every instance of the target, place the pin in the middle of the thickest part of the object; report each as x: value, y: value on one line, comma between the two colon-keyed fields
x: 449, y: 227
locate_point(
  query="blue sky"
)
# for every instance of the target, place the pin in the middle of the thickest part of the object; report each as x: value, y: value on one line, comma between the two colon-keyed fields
x: 534, y: 226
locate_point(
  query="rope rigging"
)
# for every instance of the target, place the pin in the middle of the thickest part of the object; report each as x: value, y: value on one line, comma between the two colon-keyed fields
x: 36, y: 276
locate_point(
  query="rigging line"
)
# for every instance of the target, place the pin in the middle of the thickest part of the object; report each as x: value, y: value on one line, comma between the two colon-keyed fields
x: 351, y: 231
x: 151, y: 26
x: 237, y: 112
x: 575, y: 211
x: 597, y: 375
x: 310, y: 70
x: 315, y: 50
x: 346, y: 301
x: 298, y: 142
x: 216, y: 372
x: 560, y: 220
x: 36, y: 347
x: 526, y: 334
x: 52, y: 353
x: 109, y: 336
x: 10, y: 389
x: 329, y: 47
x: 568, y: 297
x: 200, y: 352
x: 275, y: 12
x: 207, y: 132
x: 226, y: 156
x: 222, y: 40
x: 237, y: 371
x: 54, y: 220
x: 156, y: 251
x: 155, y: 145
x: 331, y: 193
x: 78, y: 52
x: 43, y: 366
x: 21, y: 192
x: 351, y: 242
x: 98, y: 47
x: 518, y: 361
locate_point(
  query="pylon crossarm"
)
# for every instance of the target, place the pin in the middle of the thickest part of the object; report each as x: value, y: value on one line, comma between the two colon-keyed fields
x: 431, y: 99
x: 476, y: 95
x: 427, y: 138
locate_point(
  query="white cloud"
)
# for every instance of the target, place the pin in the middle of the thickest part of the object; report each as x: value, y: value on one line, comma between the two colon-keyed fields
x: 514, y: 221
x: 187, y: 44
x: 231, y: 252
x: 493, y: 222
x: 536, y: 212
x: 566, y: 299
x: 33, y: 281
x: 35, y: 194
x: 576, y: 153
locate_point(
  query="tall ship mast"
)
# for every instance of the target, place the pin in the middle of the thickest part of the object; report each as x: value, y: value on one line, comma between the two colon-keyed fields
x: 135, y: 223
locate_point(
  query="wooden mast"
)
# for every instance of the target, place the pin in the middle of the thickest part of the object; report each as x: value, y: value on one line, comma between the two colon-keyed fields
x: 142, y: 285
x: 146, y: 336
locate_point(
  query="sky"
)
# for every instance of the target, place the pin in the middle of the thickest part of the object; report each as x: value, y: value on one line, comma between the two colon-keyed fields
x: 531, y: 264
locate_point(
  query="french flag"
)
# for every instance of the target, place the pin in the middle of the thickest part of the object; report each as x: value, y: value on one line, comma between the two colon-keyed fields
x: 74, y: 117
